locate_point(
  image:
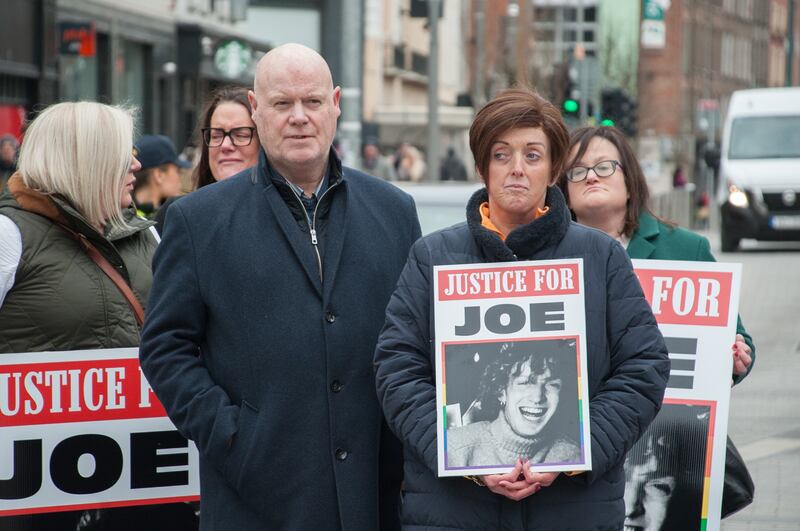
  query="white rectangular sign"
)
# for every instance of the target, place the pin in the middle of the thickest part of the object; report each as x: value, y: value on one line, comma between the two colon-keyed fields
x: 510, y: 366
x: 696, y: 306
x: 83, y: 429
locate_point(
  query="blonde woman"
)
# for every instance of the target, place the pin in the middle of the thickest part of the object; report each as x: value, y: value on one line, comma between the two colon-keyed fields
x: 74, y: 185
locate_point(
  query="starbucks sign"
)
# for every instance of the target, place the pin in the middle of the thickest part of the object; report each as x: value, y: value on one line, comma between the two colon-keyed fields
x: 232, y: 58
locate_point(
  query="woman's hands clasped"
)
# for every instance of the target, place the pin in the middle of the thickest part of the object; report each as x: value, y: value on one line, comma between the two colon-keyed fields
x: 520, y: 482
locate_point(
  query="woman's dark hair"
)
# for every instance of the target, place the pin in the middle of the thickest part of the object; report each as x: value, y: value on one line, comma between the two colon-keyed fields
x: 558, y: 355
x: 678, y: 438
x: 228, y: 94
x: 635, y: 182
x: 514, y: 109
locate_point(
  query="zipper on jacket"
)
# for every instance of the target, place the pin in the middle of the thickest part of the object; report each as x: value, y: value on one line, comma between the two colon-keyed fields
x: 312, y: 223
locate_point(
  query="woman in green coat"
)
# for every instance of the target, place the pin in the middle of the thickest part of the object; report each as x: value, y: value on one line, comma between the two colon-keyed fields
x: 606, y: 189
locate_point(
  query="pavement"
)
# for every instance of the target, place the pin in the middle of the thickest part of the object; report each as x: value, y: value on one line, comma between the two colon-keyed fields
x: 765, y: 408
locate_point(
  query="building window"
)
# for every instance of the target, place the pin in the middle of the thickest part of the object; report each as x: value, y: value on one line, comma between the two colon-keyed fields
x: 399, y: 57
x: 570, y: 14
x: 590, y: 14
x: 78, y: 78
x: 545, y: 34
x: 544, y: 14
x: 727, y: 55
x: 742, y: 68
x: 588, y: 36
x: 419, y: 63
x: 135, y: 79
x: 745, y: 9
x: 687, y: 46
x: 569, y: 35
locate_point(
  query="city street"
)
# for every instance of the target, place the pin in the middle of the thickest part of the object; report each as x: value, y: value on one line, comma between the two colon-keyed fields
x: 765, y: 420
x: 317, y: 139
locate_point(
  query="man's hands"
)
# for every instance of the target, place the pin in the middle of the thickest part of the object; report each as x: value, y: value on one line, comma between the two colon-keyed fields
x: 520, y: 482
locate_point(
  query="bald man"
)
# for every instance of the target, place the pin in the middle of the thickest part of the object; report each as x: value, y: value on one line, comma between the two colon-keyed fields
x: 268, y: 295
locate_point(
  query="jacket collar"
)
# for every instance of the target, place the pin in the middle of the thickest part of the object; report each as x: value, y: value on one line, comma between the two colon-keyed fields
x: 269, y: 174
x: 525, y: 241
x: 59, y: 210
x: 641, y: 245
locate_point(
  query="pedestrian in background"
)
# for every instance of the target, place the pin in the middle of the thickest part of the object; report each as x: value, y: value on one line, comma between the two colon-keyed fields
x: 376, y: 164
x: 8, y: 158
x: 159, y: 178
x: 74, y: 185
x: 452, y: 168
x: 679, y: 178
x: 410, y: 164
x: 519, y: 142
x: 227, y: 138
x: 268, y: 296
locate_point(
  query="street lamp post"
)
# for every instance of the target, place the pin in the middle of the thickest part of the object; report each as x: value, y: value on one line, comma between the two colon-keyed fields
x: 433, y: 91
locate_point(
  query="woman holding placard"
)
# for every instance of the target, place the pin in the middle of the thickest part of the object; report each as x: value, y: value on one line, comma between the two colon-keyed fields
x: 75, y: 266
x: 520, y: 144
x: 606, y: 189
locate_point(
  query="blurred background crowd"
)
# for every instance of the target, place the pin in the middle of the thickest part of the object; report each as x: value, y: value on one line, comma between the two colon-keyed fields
x: 662, y: 71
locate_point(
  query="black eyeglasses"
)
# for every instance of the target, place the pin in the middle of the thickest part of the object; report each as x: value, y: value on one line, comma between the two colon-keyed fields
x: 604, y: 168
x: 240, y: 136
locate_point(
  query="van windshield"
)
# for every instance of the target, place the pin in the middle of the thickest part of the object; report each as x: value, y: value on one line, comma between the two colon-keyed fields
x: 765, y: 137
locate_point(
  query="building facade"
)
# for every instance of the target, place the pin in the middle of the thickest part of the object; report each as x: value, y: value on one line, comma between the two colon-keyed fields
x: 159, y: 56
x: 711, y: 48
x: 28, y: 66
x: 395, y: 80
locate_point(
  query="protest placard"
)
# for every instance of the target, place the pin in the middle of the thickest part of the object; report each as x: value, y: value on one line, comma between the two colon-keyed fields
x: 675, y: 472
x: 510, y: 366
x: 83, y: 429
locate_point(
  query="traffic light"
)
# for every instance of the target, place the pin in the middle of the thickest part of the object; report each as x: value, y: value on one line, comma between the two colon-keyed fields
x: 419, y: 9
x: 570, y: 105
x: 628, y: 122
x: 619, y: 109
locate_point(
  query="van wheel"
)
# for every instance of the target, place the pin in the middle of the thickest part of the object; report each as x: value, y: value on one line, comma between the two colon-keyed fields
x: 729, y: 241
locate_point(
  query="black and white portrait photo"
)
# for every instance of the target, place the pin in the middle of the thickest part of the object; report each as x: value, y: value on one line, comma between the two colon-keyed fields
x: 512, y: 399
x: 664, y: 471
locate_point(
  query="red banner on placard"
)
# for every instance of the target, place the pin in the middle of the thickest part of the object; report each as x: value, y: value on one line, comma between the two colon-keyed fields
x: 60, y: 410
x: 504, y: 282
x: 75, y: 391
x: 687, y: 297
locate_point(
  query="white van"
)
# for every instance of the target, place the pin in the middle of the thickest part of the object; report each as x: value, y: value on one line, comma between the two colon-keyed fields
x: 759, y: 179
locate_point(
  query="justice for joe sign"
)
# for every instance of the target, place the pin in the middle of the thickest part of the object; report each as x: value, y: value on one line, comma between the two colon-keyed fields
x: 83, y: 429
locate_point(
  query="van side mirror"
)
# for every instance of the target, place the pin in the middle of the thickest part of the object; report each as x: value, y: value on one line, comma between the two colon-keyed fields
x: 711, y: 156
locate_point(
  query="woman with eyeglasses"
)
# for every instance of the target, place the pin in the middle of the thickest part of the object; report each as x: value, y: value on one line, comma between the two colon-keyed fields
x: 228, y: 140
x: 606, y: 189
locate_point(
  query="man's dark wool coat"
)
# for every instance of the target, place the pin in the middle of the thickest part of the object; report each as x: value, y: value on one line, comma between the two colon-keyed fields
x: 265, y: 366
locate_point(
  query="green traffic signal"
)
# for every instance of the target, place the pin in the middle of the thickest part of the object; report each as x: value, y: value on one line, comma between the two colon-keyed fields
x: 607, y: 122
x: 570, y: 106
